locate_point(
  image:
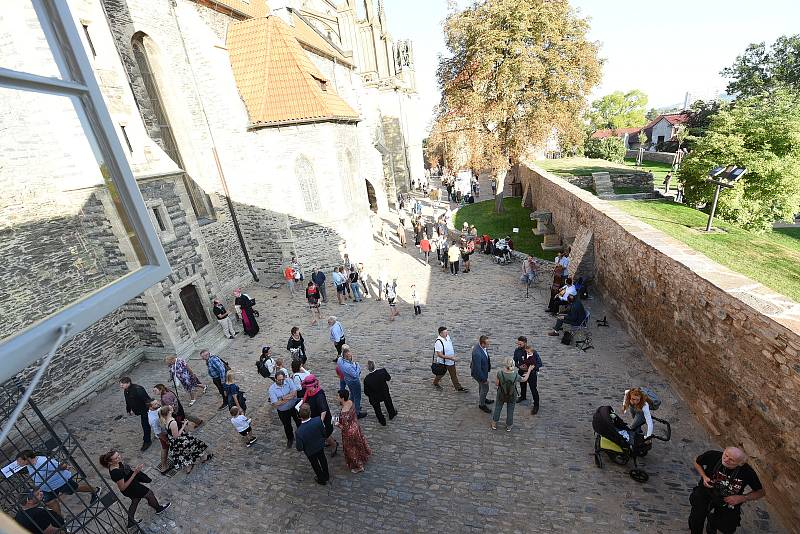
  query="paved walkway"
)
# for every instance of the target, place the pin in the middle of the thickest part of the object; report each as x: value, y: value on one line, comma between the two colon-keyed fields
x: 438, y: 467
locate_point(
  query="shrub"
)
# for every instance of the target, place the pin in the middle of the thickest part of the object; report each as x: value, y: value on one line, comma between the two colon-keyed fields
x: 610, y: 149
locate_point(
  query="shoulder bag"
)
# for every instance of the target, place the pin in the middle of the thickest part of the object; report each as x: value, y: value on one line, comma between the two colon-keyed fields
x: 438, y: 369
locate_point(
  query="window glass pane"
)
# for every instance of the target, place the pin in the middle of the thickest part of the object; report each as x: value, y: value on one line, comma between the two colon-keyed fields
x: 23, y: 46
x: 63, y: 231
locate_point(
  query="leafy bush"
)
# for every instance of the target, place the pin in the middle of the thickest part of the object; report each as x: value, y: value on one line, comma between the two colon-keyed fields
x: 762, y: 134
x: 609, y: 149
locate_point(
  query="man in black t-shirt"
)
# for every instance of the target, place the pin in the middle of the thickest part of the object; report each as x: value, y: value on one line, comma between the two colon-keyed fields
x: 224, y: 319
x: 35, y: 518
x: 720, y: 492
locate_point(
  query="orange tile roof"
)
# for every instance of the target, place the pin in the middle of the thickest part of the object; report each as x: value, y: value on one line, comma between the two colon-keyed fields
x: 619, y: 132
x: 310, y: 38
x: 278, y: 82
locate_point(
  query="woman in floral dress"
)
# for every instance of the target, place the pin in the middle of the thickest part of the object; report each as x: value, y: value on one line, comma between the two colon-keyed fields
x: 356, y: 449
x: 184, y: 450
x: 179, y: 369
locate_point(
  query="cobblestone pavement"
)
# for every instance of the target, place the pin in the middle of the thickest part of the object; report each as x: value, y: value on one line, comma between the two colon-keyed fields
x: 437, y: 467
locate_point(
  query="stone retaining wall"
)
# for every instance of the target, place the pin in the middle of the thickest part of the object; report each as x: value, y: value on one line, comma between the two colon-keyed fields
x: 659, y: 157
x: 643, y: 181
x: 729, y: 345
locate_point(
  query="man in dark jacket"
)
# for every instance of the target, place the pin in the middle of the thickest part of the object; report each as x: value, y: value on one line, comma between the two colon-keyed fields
x: 480, y: 367
x: 310, y: 438
x: 575, y: 315
x: 318, y: 277
x: 376, y: 389
x: 523, y: 360
x: 137, y: 402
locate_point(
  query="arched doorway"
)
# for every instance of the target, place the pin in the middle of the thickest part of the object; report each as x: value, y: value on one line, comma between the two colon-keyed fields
x: 373, y: 201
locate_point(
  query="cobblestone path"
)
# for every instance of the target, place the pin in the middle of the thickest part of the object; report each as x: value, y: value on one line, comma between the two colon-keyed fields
x: 437, y: 467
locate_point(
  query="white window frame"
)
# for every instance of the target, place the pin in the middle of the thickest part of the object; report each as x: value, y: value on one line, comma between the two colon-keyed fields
x: 77, y: 79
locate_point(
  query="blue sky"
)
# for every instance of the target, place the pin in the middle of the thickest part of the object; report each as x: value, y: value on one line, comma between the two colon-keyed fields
x: 662, y: 48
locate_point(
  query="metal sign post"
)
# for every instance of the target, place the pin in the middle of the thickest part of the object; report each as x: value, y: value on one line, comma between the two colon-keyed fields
x: 722, y: 177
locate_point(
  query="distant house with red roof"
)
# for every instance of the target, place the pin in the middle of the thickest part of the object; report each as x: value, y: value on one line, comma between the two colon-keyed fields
x: 659, y: 131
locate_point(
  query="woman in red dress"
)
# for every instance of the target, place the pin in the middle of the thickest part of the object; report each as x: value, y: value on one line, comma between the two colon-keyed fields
x: 356, y: 449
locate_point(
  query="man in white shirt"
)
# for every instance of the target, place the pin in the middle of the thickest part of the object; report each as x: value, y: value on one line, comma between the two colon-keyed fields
x: 446, y: 354
x: 562, y: 297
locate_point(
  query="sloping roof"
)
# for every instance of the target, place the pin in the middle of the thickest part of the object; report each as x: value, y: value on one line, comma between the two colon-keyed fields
x: 238, y: 8
x: 277, y: 81
x: 672, y: 118
x: 619, y: 132
x: 310, y: 38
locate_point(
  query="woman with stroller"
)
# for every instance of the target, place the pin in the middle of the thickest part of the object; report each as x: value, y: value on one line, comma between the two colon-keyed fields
x: 638, y: 403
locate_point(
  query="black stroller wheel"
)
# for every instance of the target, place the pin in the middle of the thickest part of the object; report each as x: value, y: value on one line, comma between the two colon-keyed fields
x: 620, y: 458
x: 639, y: 476
x: 598, y: 460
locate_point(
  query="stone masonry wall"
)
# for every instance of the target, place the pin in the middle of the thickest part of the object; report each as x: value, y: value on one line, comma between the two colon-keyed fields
x: 642, y: 181
x: 729, y: 345
x: 659, y: 157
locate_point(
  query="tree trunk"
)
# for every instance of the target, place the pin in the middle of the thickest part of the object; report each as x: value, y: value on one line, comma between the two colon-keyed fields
x: 498, y: 197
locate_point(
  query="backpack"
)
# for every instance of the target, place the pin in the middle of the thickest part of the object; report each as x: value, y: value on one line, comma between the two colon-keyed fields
x: 566, y: 339
x: 656, y: 402
x: 263, y: 368
x: 506, y: 389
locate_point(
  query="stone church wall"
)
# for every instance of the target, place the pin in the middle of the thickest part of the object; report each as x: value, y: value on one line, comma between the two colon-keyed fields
x: 729, y: 345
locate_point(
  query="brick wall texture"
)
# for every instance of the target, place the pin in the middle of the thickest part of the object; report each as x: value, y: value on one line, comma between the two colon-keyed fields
x: 730, y: 346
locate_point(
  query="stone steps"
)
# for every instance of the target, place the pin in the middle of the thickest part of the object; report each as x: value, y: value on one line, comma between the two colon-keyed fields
x: 602, y: 183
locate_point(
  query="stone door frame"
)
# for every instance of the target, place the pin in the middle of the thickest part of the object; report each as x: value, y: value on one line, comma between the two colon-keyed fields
x: 176, y: 294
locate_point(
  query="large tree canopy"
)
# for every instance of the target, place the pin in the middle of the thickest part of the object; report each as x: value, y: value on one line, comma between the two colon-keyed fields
x: 516, y: 69
x: 763, y: 134
x: 765, y: 69
x: 618, y: 110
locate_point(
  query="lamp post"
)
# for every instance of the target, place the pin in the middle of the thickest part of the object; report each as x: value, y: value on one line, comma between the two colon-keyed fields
x: 722, y: 177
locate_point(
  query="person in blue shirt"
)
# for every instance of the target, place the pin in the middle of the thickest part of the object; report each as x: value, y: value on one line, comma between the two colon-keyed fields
x: 217, y: 372
x: 283, y: 396
x: 53, y: 478
x: 352, y: 378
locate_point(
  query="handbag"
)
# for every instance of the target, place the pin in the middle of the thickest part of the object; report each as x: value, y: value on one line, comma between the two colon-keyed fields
x: 438, y: 369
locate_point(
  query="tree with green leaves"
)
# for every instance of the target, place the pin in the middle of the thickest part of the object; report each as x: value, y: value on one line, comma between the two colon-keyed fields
x: 766, y: 69
x: 618, y: 110
x: 760, y: 133
x: 515, y: 71
x: 609, y: 148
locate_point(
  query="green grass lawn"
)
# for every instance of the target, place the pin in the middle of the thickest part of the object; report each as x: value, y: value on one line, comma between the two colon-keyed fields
x: 772, y: 258
x: 482, y: 215
x: 586, y: 166
x: 579, y: 166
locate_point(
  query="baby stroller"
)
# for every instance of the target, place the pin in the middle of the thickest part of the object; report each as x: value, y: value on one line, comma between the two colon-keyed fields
x: 502, y: 252
x: 613, y: 437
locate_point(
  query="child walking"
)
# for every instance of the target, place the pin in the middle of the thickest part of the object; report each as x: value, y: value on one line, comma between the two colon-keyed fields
x: 242, y: 425
x: 391, y: 296
x: 415, y: 299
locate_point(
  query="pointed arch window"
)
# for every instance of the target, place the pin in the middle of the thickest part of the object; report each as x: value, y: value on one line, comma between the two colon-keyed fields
x: 304, y: 173
x: 201, y: 202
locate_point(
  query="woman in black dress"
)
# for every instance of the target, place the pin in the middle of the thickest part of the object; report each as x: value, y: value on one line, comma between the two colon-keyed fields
x: 244, y: 305
x: 297, y: 345
x: 315, y: 398
x: 131, y: 482
x: 184, y: 450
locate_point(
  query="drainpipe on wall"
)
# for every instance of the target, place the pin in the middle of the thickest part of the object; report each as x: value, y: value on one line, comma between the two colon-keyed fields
x: 234, y: 219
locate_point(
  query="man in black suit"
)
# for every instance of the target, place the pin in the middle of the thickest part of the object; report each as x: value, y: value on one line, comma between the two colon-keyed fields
x: 137, y: 401
x: 310, y: 438
x: 376, y: 389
